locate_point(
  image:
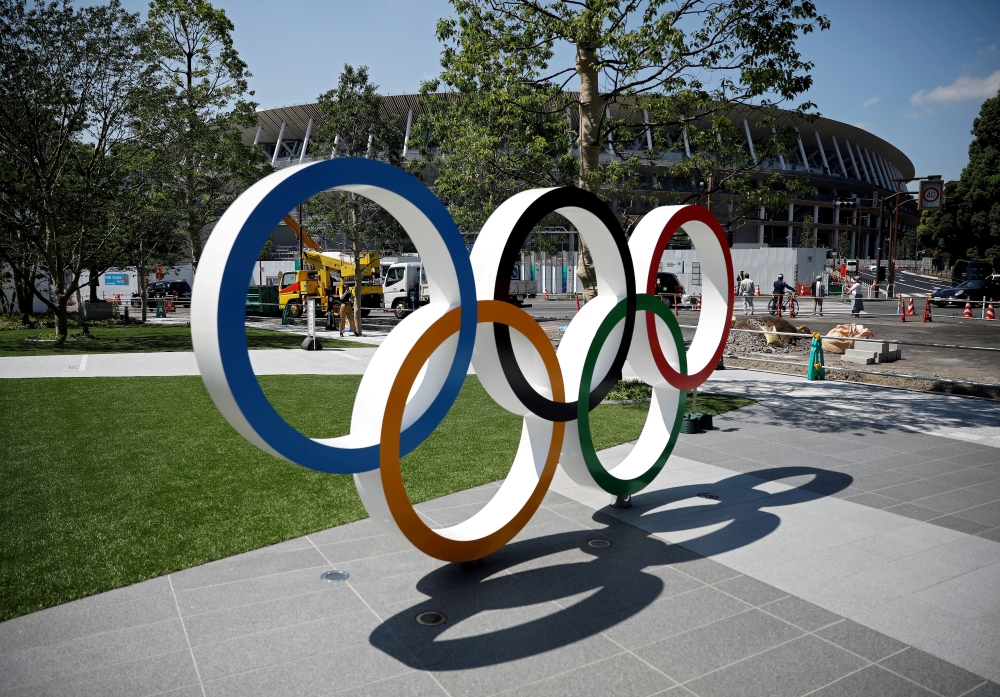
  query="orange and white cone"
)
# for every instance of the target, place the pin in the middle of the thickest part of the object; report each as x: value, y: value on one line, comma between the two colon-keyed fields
x: 758, y: 292
x: 698, y: 308
x: 910, y: 312
x: 927, y: 310
x: 989, y: 312
x: 968, y: 311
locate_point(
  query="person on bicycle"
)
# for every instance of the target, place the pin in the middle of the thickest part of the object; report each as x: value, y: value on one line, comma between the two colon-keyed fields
x: 780, y: 286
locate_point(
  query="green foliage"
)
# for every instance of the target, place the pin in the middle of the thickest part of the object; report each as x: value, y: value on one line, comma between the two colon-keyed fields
x: 193, y: 124
x: 74, y: 83
x: 487, y: 146
x: 969, y: 225
x: 95, y: 506
x: 647, y: 58
x: 355, y: 125
x: 808, y: 233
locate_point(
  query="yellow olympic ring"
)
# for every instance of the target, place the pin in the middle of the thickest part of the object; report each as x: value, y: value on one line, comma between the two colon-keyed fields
x: 461, y: 542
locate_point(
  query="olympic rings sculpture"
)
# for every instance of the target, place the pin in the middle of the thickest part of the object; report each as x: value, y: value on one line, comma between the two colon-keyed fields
x: 415, y: 375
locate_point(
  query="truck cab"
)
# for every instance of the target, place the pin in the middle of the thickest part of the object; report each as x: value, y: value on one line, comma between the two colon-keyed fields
x: 399, y: 280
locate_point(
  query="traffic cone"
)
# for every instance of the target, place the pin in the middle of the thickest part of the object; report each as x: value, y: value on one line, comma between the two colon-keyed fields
x: 577, y: 301
x: 791, y: 307
x: 698, y: 308
x: 910, y: 312
x: 758, y: 292
x: 902, y: 309
x: 968, y: 311
x: 927, y: 310
x: 989, y: 312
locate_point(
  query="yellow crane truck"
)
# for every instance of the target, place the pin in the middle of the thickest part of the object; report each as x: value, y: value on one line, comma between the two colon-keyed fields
x: 324, y: 276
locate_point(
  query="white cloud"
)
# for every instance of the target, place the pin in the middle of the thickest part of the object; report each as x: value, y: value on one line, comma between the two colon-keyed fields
x: 870, y: 101
x: 963, y: 88
x: 990, y: 49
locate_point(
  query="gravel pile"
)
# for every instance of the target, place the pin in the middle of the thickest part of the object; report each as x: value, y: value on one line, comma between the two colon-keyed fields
x: 743, y: 343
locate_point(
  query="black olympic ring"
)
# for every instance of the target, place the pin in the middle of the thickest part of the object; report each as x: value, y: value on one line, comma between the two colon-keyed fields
x: 551, y: 202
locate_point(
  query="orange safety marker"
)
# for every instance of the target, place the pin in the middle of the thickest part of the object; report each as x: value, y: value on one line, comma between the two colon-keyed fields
x: 698, y: 308
x: 968, y: 311
x: 758, y: 292
x: 927, y: 310
x: 791, y: 307
x: 989, y: 312
x: 676, y: 308
x: 902, y: 309
x: 577, y: 301
x: 777, y: 304
x: 909, y: 310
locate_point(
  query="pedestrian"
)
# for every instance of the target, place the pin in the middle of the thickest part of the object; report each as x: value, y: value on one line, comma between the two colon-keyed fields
x: 818, y: 291
x: 858, y: 302
x: 740, y: 278
x: 747, y: 290
x: 347, y: 312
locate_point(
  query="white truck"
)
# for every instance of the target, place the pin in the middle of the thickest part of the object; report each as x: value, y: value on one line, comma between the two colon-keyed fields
x: 403, y: 277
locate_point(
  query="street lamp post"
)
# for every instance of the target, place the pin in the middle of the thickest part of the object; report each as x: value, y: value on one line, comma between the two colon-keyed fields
x: 895, y: 229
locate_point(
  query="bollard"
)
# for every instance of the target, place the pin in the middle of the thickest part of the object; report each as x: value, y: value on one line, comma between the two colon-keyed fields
x: 791, y: 306
x: 160, y: 311
x: 927, y: 310
x: 577, y: 295
x: 698, y: 308
x: 816, y: 370
x: 902, y: 309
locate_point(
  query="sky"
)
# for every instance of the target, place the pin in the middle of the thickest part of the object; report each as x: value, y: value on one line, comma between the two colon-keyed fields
x: 913, y: 73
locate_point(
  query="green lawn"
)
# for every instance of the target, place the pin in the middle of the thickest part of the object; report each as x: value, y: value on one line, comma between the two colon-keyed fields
x: 139, y: 339
x: 109, y: 481
x: 708, y: 402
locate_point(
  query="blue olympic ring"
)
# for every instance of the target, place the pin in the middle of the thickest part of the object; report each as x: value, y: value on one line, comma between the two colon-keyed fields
x: 304, y: 182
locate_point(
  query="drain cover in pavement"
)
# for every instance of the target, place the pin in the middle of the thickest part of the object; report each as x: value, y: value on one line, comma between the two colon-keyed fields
x: 599, y: 544
x: 431, y: 619
x: 335, y: 576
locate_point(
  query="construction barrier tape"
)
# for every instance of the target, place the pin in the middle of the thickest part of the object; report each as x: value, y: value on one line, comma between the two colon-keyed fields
x: 416, y: 373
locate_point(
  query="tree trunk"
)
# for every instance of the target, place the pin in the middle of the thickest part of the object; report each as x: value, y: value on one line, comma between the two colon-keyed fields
x: 93, y: 283
x: 356, y: 250
x: 590, y: 143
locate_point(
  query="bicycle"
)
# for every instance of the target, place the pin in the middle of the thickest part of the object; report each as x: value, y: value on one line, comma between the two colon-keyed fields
x: 772, y: 307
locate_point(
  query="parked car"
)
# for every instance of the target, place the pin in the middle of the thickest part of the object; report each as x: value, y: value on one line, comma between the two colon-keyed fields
x: 974, y: 290
x: 965, y: 270
x: 168, y: 289
x: 667, y: 284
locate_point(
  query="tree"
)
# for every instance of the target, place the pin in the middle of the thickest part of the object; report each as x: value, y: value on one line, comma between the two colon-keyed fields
x: 980, y: 183
x: 969, y: 224
x: 687, y: 64
x: 808, y: 238
x: 195, y: 127
x: 354, y: 125
x: 73, y: 83
x: 483, y: 150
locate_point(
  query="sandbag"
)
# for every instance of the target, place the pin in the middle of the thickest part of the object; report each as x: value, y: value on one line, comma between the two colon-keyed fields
x: 844, y: 335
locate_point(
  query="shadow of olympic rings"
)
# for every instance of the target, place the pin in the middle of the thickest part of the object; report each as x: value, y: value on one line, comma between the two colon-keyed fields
x: 537, y: 594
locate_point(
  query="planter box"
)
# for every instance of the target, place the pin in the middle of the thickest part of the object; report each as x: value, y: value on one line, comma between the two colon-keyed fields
x: 97, y: 310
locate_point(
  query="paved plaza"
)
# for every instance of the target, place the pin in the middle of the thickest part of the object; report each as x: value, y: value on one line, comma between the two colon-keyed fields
x: 790, y: 551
